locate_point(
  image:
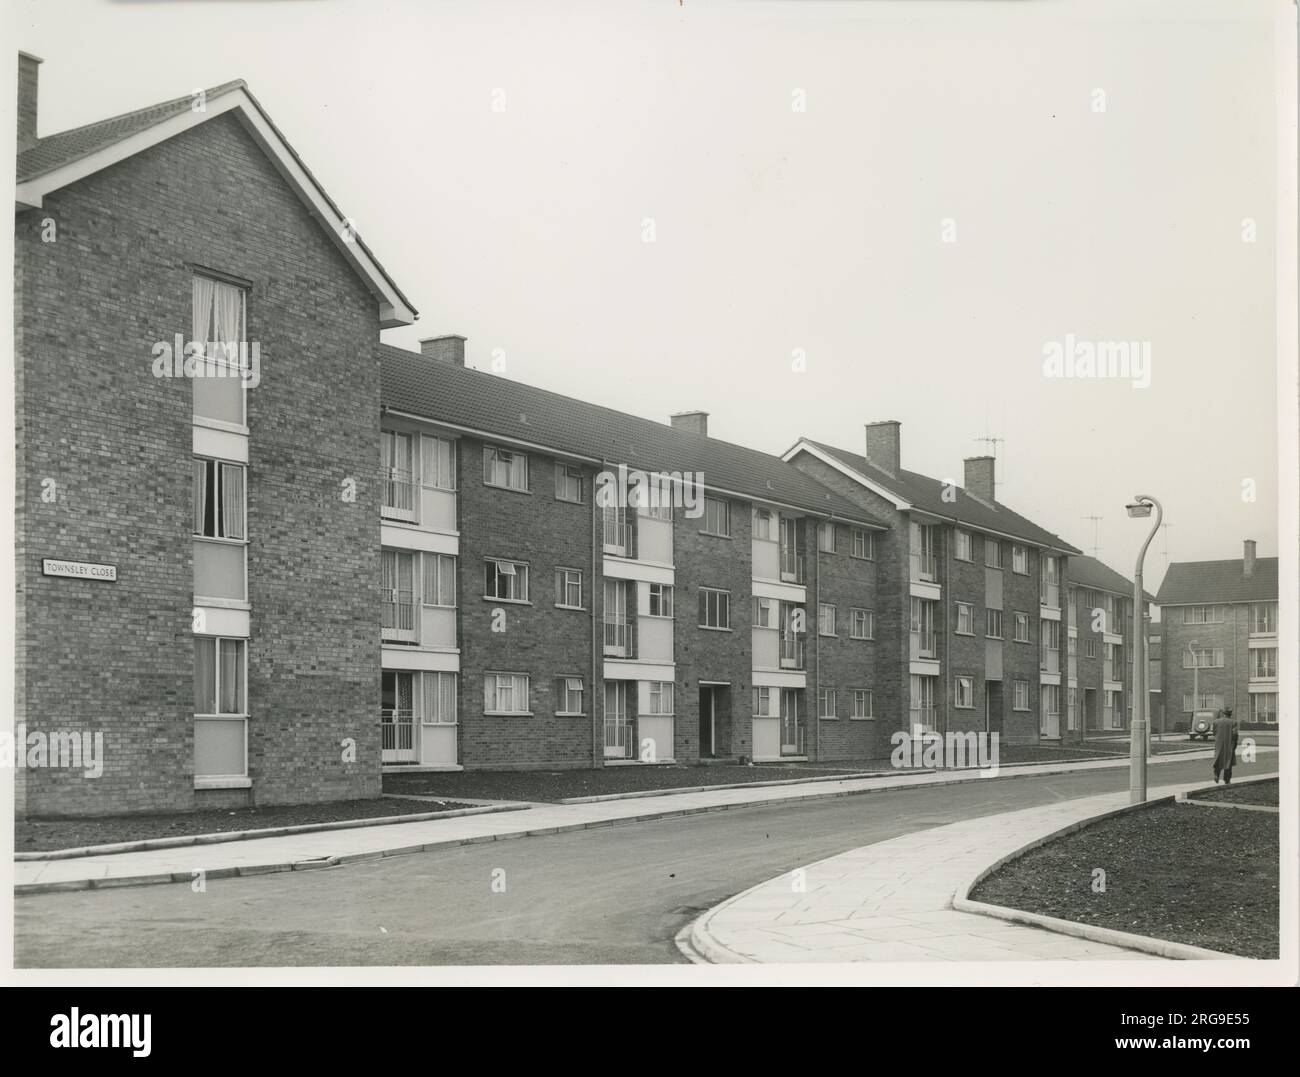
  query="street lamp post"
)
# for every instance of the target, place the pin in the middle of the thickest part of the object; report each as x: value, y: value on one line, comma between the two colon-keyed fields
x: 1140, y: 508
x: 1196, y: 675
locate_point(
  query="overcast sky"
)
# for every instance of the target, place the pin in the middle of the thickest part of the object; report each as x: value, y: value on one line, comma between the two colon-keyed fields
x: 502, y: 160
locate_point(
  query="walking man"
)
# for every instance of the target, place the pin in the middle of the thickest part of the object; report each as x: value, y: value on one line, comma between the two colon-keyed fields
x: 1225, y: 745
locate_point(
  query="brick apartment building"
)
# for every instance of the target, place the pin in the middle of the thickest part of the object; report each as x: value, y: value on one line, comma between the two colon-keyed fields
x: 1100, y: 652
x: 979, y: 604
x: 346, y: 558
x: 198, y: 558
x: 1221, y: 617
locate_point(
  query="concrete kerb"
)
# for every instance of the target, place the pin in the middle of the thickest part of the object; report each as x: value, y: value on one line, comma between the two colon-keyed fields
x: 270, y: 832
x: 1175, y: 951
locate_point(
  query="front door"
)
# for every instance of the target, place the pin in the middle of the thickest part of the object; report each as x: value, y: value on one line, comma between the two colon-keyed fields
x: 396, y: 718
x: 618, y: 727
x: 708, y: 724
x: 791, y: 726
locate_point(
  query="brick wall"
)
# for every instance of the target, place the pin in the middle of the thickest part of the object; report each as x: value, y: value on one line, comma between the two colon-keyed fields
x: 115, y: 442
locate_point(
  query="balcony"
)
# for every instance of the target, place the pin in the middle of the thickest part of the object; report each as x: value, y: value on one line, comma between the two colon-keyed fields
x: 397, y: 617
x: 617, y: 538
x: 925, y: 567
x: 792, y: 736
x: 399, y: 493
x: 1049, y: 595
x: 618, y: 639
x: 924, y: 644
x: 396, y: 735
x: 792, y: 652
x: 1051, y: 662
x: 620, y: 738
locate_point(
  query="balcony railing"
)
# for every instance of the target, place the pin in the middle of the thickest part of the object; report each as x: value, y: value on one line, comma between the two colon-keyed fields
x: 398, y: 616
x: 1263, y: 671
x: 792, y: 652
x: 924, y: 644
x: 925, y: 566
x: 620, y: 738
x: 618, y: 638
x: 792, y: 736
x: 923, y: 718
x: 397, y: 735
x: 399, y: 494
x: 618, y: 533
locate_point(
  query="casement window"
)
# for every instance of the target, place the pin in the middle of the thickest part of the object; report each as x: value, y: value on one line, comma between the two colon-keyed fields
x: 506, y: 693
x: 1021, y: 698
x: 863, y: 624
x: 397, y: 474
x: 1204, y: 658
x: 1263, y: 707
x: 964, y: 693
x: 219, y: 499
x: 826, y: 536
x: 220, y: 707
x: 506, y: 469
x: 220, y: 530
x: 1020, y: 560
x: 864, y: 544
x: 993, y: 624
x: 1050, y: 633
x: 826, y: 703
x: 438, y: 699
x: 437, y: 462
x: 1263, y: 663
x: 568, y: 588
x: 963, y: 547
x: 765, y: 612
x: 1090, y: 648
x: 439, y: 571
x: 864, y: 703
x: 765, y: 702
x: 568, y: 483
x: 1202, y: 615
x: 569, y: 696
x: 765, y: 525
x: 505, y: 581
x: 715, y: 608
x: 1051, y: 698
x: 717, y: 517
x: 397, y: 608
x: 659, y: 697
x: 965, y: 619
x: 825, y: 619
x: 219, y: 327
x: 660, y: 600
x: 1263, y: 618
x: 992, y: 552
x: 1209, y: 701
x: 1021, y: 628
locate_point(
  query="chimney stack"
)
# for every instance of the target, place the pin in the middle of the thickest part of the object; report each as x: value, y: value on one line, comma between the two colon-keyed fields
x: 1248, y: 559
x: 979, y: 477
x: 693, y: 422
x: 28, y: 79
x: 448, y: 349
x: 883, y: 450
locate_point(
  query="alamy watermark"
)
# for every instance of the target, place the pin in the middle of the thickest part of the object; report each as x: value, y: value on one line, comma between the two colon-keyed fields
x: 58, y: 749
x: 179, y: 358
x: 1072, y: 358
x: 931, y: 750
x: 662, y: 490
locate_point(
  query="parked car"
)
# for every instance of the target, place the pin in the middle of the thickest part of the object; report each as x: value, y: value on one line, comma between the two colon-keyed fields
x: 1202, y: 725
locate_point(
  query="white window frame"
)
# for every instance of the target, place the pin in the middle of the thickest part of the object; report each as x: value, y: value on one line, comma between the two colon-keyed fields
x: 431, y: 712
x: 218, y: 715
x: 429, y: 476
x: 564, y: 580
x: 963, y: 688
x: 1203, y: 615
x: 661, y: 595
x: 864, y: 700
x: 966, y: 611
x: 867, y: 620
x: 565, y: 476
x: 493, y: 457
x: 1019, y: 689
x: 865, y: 541
x: 719, y: 599
x: 439, y: 565
x: 564, y: 696
x: 517, y: 571
x: 826, y: 619
x: 495, y: 681
x: 659, y: 698
x: 826, y: 536
x: 713, y: 506
x: 964, y: 547
x: 1020, y: 620
x: 990, y: 615
x: 764, y: 525
x: 992, y: 552
x: 1020, y: 560
x: 827, y: 704
x: 764, y: 698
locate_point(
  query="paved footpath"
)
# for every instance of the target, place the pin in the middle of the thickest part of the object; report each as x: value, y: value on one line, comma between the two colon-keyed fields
x: 322, y: 848
x: 892, y: 901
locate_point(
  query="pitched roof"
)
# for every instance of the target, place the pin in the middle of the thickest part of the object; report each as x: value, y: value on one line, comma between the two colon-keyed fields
x: 55, y: 151
x: 1089, y: 572
x: 927, y: 495
x: 1193, y: 583
x: 63, y: 158
x: 473, y: 399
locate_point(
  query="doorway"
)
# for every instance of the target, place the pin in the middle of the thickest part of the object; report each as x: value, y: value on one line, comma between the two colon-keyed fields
x: 708, y: 723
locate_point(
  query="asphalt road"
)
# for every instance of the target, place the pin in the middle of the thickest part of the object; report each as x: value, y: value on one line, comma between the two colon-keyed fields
x: 612, y: 895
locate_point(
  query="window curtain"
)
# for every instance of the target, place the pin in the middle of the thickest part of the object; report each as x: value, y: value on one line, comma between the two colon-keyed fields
x: 228, y: 319
x: 200, y: 495
x: 519, y: 471
x: 446, y: 580
x: 205, y: 676
x: 232, y: 676
x: 404, y: 694
x: 232, y: 501
x: 205, y: 298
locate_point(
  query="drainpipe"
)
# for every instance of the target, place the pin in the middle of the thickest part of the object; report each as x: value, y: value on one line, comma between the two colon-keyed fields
x: 817, y: 640
x: 597, y: 730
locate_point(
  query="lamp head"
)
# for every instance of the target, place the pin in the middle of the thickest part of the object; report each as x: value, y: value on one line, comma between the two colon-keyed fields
x: 1138, y: 509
